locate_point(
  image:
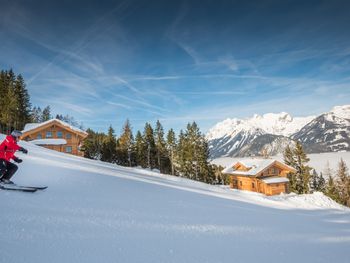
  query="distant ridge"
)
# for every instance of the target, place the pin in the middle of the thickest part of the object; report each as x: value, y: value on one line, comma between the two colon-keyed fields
x: 271, y: 132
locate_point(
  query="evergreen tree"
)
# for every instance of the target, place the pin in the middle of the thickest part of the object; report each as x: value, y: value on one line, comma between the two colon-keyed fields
x: 126, y: 151
x: 3, y: 99
x: 36, y: 115
x: 206, y: 172
x: 46, y: 114
x: 297, y: 158
x: 10, y: 109
x: 317, y: 182
x: 331, y: 189
x: 148, y: 138
x: 343, y: 183
x: 109, y: 147
x: 192, y: 155
x: 160, y: 148
x: 9, y: 101
x: 180, y: 156
x: 23, y: 103
x: 92, y: 146
x: 140, y: 150
x: 171, y: 147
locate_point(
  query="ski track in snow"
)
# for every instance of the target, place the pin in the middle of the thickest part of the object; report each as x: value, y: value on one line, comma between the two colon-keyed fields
x: 94, y: 211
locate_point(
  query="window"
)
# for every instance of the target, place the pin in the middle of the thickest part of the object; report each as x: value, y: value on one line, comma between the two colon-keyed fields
x: 59, y: 134
x: 235, y: 183
x: 253, y: 185
x: 68, y: 149
x: 48, y: 134
x: 39, y: 136
x: 68, y: 136
x: 274, y: 170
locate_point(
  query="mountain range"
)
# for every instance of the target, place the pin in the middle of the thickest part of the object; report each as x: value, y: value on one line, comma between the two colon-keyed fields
x: 272, y: 132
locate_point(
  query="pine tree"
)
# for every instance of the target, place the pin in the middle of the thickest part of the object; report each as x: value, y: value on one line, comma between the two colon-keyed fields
x: 343, y: 183
x: 160, y: 148
x: 92, y: 146
x: 148, y: 138
x: 46, y: 114
x: 23, y: 103
x: 10, y: 102
x: 206, y: 171
x: 192, y: 155
x: 140, y: 150
x: 126, y: 151
x: 321, y: 183
x: 11, y: 106
x: 3, y: 100
x: 331, y: 189
x: 171, y: 147
x: 297, y: 158
x: 109, y: 147
x: 317, y: 182
x: 36, y: 115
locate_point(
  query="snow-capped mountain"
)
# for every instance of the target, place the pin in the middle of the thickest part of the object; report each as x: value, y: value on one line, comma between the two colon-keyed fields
x: 273, y: 131
x: 237, y: 137
x: 231, y: 144
x: 269, y: 144
x: 272, y: 123
x: 329, y: 132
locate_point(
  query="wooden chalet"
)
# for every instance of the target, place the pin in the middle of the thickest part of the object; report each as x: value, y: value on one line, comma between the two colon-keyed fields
x: 55, y: 135
x: 266, y: 176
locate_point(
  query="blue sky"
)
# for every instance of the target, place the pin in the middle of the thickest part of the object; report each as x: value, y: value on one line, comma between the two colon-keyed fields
x: 178, y: 61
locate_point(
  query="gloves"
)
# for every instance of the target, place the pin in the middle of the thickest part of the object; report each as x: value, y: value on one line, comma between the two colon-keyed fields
x: 23, y: 150
x: 17, y: 160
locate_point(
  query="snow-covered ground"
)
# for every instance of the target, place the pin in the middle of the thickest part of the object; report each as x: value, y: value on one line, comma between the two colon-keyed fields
x: 98, y: 212
x: 318, y: 161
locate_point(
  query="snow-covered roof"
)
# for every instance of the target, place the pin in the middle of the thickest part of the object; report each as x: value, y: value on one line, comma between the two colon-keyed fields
x: 254, y: 166
x: 275, y: 180
x: 31, y: 126
x: 49, y: 142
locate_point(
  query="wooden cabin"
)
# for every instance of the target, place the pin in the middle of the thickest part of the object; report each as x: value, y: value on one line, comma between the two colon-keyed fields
x: 55, y: 135
x: 266, y: 176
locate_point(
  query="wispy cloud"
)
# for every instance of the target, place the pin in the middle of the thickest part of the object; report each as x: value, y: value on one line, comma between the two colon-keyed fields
x: 128, y: 107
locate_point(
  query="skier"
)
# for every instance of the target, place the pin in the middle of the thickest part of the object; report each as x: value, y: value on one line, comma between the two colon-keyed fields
x: 7, y: 152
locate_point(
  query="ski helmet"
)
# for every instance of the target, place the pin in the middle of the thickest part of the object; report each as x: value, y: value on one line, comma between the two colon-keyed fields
x: 16, y: 133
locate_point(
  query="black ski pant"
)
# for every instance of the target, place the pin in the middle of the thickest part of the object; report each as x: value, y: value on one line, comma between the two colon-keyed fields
x: 7, y: 169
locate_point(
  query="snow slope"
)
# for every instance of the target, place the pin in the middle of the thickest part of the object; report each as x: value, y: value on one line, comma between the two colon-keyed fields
x: 98, y: 212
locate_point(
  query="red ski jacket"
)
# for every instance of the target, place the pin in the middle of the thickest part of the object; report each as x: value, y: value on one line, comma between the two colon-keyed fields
x: 8, y: 148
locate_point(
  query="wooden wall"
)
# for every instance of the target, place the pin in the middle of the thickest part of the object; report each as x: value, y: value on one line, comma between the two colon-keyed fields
x: 244, y: 183
x: 73, y: 139
x: 255, y: 185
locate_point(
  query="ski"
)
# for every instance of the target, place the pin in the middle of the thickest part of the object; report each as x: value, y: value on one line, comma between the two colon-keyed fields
x: 16, y: 188
x: 32, y: 187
